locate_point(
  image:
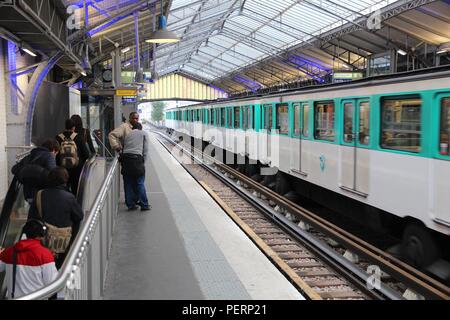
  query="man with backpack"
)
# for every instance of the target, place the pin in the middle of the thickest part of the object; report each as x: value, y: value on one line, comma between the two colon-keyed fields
x: 73, y: 152
x: 28, y: 264
x: 61, y: 213
x: 32, y: 171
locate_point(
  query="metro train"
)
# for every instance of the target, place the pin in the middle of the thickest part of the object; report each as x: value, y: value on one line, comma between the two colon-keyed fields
x: 376, y: 147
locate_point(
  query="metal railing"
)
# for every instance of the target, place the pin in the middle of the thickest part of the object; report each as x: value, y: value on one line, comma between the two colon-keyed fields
x: 82, y: 275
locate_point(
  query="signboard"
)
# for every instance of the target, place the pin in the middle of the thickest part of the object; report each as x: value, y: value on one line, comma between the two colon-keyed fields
x: 126, y: 92
x: 346, y: 76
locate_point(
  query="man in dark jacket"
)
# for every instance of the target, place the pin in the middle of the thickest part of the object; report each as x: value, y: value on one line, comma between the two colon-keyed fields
x: 82, y: 152
x: 59, y: 207
x: 43, y: 156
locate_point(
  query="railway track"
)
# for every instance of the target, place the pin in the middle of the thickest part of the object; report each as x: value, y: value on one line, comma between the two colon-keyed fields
x: 322, y: 260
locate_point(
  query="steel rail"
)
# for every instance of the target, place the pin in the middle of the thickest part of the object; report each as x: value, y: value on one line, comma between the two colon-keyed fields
x: 336, y: 261
x: 425, y: 285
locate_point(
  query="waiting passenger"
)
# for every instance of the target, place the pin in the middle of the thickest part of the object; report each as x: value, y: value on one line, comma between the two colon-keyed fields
x: 32, y: 171
x: 133, y: 168
x: 34, y: 264
x: 73, y: 154
x: 61, y: 213
x: 117, y: 136
x: 84, y: 132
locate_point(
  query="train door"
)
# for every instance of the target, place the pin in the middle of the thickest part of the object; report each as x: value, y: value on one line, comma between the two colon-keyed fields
x: 300, y: 113
x: 268, y: 124
x: 355, y: 155
x: 441, y: 181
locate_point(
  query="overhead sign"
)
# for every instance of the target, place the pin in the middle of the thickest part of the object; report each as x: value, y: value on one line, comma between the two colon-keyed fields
x: 126, y: 92
x: 347, y: 75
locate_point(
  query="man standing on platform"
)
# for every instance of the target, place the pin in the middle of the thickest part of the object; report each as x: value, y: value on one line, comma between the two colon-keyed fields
x: 133, y: 158
x: 117, y: 136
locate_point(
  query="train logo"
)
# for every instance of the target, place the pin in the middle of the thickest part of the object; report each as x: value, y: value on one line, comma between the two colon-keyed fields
x: 322, y: 163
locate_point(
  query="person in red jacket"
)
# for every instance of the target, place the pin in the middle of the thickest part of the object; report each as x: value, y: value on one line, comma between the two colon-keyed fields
x: 35, y: 265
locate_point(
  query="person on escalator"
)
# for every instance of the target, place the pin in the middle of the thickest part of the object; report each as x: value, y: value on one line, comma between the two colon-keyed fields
x: 73, y: 153
x: 84, y: 132
x: 32, y: 171
x: 33, y: 263
x: 61, y: 213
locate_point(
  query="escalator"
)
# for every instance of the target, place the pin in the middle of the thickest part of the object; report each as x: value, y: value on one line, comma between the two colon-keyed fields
x: 15, y: 209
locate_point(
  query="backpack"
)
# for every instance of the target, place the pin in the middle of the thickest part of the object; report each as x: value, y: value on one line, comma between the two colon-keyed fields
x: 69, y: 151
x: 30, y: 174
x: 57, y: 240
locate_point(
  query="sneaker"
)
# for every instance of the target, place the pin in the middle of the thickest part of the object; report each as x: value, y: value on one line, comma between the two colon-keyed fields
x: 146, y: 208
x: 132, y: 208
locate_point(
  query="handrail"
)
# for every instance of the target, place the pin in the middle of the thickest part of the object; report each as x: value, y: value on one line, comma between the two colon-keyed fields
x: 69, y: 275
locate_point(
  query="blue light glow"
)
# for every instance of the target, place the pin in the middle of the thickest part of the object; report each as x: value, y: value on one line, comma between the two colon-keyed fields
x: 252, y: 85
x: 12, y: 65
x: 116, y: 19
x: 218, y: 89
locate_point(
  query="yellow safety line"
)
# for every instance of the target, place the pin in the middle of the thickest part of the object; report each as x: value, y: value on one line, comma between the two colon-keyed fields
x: 294, y: 277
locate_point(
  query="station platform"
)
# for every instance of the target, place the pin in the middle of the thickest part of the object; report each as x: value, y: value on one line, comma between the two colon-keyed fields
x: 186, y: 247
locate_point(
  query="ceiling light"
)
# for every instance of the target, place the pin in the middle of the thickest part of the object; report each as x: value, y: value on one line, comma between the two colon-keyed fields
x: 402, y: 52
x: 31, y: 53
x: 126, y: 49
x: 127, y: 64
x: 443, y: 48
x: 162, y: 35
x: 83, y: 73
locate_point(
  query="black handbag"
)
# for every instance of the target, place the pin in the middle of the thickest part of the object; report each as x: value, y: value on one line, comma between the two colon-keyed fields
x: 132, y: 164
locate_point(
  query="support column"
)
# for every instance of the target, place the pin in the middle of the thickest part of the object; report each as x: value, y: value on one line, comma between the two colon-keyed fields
x: 117, y: 83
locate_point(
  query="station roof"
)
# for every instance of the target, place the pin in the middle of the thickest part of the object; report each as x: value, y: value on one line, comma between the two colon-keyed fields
x: 242, y: 45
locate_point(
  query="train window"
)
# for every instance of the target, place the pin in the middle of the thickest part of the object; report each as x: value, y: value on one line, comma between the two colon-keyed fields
x: 237, y: 117
x: 222, y: 117
x: 401, y: 124
x: 324, y: 120
x: 348, y: 122
x: 247, y: 118
x: 305, y: 126
x: 268, y: 118
x: 251, y: 123
x: 229, y: 117
x: 297, y: 113
x: 364, y: 123
x: 445, y: 127
x: 211, y: 117
x: 282, y: 118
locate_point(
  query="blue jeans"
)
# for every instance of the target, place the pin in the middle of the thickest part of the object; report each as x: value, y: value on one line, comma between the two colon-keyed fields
x: 135, y: 191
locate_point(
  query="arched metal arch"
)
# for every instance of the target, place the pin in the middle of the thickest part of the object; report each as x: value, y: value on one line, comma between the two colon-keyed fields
x: 33, y: 88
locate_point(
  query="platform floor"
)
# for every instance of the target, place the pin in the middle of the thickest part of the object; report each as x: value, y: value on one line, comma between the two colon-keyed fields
x: 186, y: 247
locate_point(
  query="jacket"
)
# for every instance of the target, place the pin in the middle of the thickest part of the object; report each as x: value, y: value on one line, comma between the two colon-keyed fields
x: 42, y: 157
x: 35, y: 267
x: 87, y: 139
x: 136, y: 142
x: 117, y: 136
x: 59, y: 208
x: 82, y: 150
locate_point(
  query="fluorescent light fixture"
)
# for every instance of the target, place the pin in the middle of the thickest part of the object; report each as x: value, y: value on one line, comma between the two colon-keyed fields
x: 162, y: 35
x: 127, y: 64
x: 402, y: 52
x: 443, y: 48
x: 126, y: 49
x: 83, y: 73
x: 31, y: 53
